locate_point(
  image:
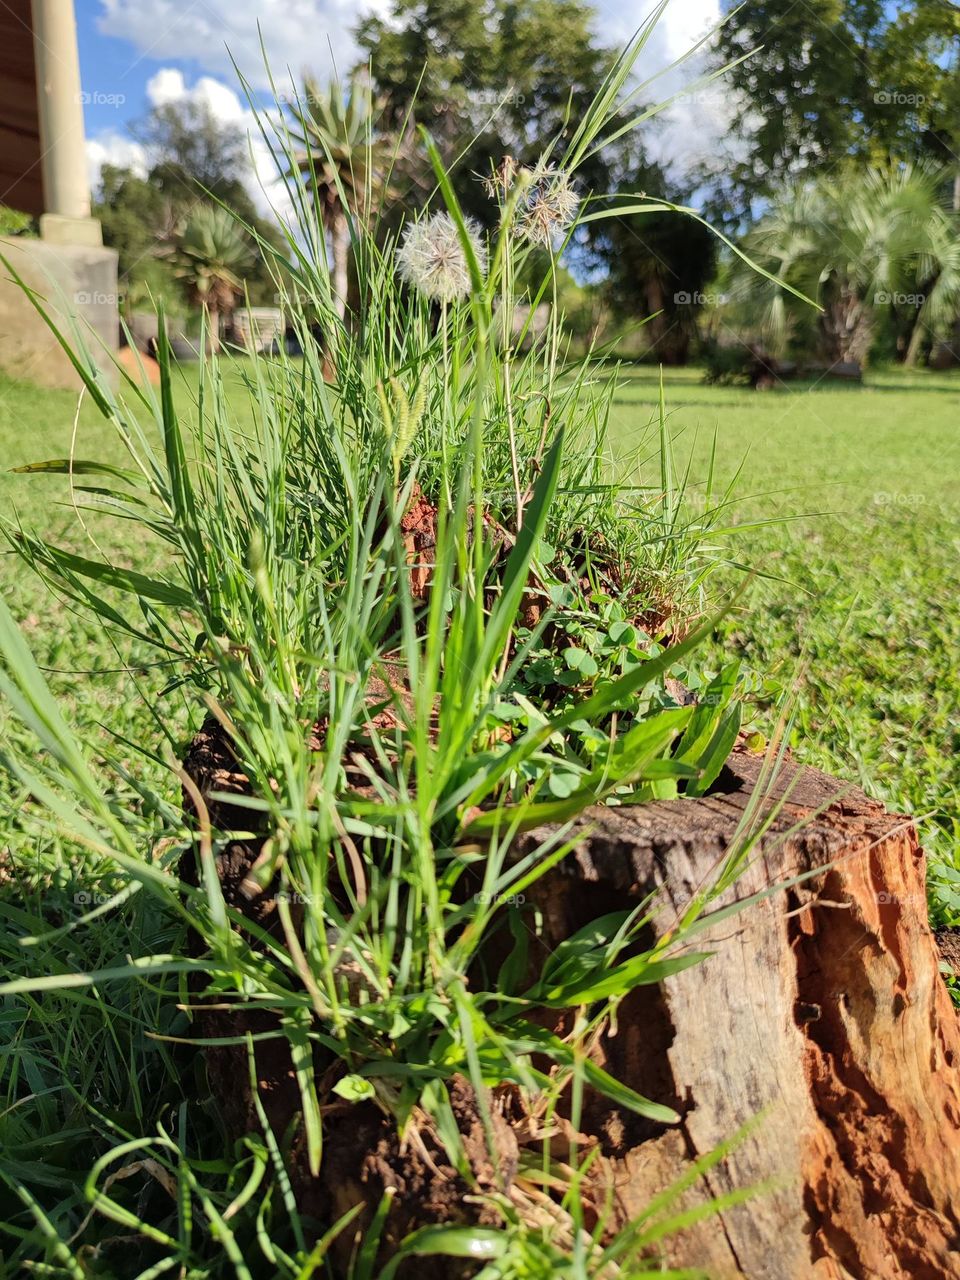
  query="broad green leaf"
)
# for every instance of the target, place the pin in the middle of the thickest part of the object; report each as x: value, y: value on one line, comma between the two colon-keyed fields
x: 482, y: 1244
x: 107, y: 575
x: 717, y: 753
x: 626, y: 1097
x: 638, y: 971
x: 354, y: 1089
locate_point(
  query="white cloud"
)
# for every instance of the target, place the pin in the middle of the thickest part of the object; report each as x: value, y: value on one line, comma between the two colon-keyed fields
x: 694, y: 128
x: 313, y: 34
x: 262, y: 180
x: 169, y: 85
x: 297, y: 34
x: 684, y: 22
x: 115, y: 148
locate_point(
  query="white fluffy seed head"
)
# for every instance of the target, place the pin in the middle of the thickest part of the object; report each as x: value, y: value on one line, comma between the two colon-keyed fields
x: 431, y: 257
x: 549, y: 206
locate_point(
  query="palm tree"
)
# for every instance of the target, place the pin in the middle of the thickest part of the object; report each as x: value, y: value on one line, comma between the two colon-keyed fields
x: 854, y: 244
x: 938, y: 288
x: 344, y: 160
x: 211, y: 254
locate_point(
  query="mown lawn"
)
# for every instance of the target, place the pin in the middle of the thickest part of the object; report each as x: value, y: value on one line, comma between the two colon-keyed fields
x: 853, y: 613
x: 858, y: 617
x: 102, y: 680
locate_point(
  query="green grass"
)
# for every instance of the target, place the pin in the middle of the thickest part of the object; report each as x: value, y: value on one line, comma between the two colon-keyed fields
x: 37, y: 424
x: 254, y: 555
x: 859, y: 610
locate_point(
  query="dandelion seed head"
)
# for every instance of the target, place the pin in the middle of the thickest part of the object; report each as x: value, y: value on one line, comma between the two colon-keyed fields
x: 501, y: 179
x: 550, y: 205
x: 431, y: 257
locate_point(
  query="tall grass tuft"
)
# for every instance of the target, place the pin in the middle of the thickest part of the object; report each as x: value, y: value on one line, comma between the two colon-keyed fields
x: 418, y: 617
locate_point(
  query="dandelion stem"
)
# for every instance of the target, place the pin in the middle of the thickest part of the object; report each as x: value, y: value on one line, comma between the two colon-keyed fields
x: 507, y: 309
x: 445, y: 416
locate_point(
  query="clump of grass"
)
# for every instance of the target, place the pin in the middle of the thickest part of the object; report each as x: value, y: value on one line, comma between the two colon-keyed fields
x: 391, y: 595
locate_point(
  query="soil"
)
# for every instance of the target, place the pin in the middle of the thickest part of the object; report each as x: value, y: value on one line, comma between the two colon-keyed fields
x: 364, y: 1159
x: 948, y: 940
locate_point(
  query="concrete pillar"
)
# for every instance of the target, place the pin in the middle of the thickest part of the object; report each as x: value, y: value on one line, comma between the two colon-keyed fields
x: 66, y: 189
x: 68, y: 267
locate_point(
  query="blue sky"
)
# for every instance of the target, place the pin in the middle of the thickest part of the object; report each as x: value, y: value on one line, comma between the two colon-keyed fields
x: 136, y: 53
x: 116, y: 69
x: 108, y: 66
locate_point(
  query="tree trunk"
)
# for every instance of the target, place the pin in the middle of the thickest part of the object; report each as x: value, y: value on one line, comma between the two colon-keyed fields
x: 918, y: 328
x: 821, y: 1010
x: 846, y: 326
x: 213, y: 323
x: 820, y: 1015
x: 340, y: 252
x: 915, y: 343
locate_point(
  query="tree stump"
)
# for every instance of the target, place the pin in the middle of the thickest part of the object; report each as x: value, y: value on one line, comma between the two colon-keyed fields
x: 821, y: 1014
x: 822, y: 1010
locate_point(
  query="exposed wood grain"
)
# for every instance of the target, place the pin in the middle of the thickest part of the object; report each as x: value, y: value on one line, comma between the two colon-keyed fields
x: 21, y: 183
x: 822, y: 1009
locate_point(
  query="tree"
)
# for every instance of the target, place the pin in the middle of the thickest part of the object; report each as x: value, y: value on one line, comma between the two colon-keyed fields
x: 195, y: 158
x: 660, y: 266
x: 136, y: 215
x: 921, y: 93
x: 201, y: 150
x: 855, y: 244
x: 211, y: 256
x: 798, y: 95
x: 829, y: 80
x: 513, y: 77
x: 343, y: 157
x: 496, y: 78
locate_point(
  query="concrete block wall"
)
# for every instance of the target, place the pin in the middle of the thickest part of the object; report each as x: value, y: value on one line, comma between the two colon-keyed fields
x: 77, y: 279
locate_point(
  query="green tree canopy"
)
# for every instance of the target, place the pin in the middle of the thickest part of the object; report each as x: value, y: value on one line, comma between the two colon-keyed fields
x: 195, y: 161
x: 188, y: 138
x: 344, y: 157
x: 505, y: 76
x: 212, y: 255
x: 830, y: 80
x: 661, y: 264
x: 859, y: 243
